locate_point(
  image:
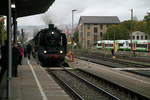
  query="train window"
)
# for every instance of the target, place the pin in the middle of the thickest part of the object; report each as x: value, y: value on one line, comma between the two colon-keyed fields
x: 120, y: 44
x: 99, y: 44
x: 129, y: 45
x: 141, y: 45
x: 149, y: 47
x: 108, y: 45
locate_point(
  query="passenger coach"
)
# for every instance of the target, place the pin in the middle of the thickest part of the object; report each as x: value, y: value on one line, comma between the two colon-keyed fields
x: 125, y: 45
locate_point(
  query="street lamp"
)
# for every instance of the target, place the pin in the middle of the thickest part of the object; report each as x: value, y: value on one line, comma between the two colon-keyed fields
x: 73, y: 19
x: 131, y: 29
x: 73, y: 25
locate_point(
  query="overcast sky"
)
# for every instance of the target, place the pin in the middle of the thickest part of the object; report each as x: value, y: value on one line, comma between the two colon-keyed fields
x: 60, y: 12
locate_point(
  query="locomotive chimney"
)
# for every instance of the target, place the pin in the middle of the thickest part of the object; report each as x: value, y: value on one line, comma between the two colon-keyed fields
x: 51, y: 26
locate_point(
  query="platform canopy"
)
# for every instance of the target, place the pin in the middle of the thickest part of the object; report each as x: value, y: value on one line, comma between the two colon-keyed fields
x: 26, y: 7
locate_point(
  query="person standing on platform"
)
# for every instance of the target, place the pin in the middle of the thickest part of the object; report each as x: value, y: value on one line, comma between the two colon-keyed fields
x: 15, y: 60
x: 21, y: 49
x: 29, y: 50
x: 4, y: 59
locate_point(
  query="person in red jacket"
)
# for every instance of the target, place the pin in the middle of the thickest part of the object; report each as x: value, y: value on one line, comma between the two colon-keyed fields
x: 21, y: 50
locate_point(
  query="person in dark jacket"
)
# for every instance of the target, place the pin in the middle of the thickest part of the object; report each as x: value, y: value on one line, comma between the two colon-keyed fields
x: 4, y: 59
x: 15, y: 60
x: 28, y: 50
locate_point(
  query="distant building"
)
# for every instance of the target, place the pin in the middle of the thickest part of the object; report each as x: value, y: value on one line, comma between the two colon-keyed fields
x: 92, y: 28
x: 139, y: 36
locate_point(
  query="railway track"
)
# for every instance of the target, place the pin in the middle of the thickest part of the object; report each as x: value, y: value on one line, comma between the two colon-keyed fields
x: 85, y: 86
x: 80, y: 88
x: 126, y: 56
x: 119, y: 61
x: 114, y: 63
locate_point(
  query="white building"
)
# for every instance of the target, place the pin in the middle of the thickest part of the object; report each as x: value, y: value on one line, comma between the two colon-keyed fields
x: 137, y: 35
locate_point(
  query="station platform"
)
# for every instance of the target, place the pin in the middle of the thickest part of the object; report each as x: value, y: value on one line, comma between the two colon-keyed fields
x: 34, y: 83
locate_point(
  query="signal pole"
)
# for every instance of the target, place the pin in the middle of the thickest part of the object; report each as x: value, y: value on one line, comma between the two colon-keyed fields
x: 131, y: 29
x: 73, y: 26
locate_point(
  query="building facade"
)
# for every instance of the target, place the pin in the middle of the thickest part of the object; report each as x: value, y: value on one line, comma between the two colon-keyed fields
x: 139, y: 36
x: 92, y: 28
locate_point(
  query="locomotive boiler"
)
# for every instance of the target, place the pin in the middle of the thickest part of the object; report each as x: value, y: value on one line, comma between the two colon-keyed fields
x: 50, y: 45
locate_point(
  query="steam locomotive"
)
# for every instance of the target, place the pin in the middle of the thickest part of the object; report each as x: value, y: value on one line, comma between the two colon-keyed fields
x: 50, y: 45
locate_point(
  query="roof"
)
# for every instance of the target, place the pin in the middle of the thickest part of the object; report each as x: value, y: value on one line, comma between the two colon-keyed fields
x: 26, y: 7
x: 99, y: 20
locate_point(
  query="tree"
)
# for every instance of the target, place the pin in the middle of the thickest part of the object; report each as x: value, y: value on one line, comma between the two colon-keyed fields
x: 140, y: 26
x: 129, y: 25
x: 123, y: 30
x: 116, y: 32
x: 147, y: 17
x: 76, y: 37
x: 147, y: 20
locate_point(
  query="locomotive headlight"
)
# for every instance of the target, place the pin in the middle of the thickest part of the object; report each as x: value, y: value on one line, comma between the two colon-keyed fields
x: 52, y: 32
x: 61, y: 51
x: 45, y: 51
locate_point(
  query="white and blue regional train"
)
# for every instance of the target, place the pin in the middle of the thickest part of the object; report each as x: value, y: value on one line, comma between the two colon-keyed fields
x: 137, y: 45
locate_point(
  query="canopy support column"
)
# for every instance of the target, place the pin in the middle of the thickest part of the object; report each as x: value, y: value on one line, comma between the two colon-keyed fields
x: 9, y: 69
x: 15, y: 29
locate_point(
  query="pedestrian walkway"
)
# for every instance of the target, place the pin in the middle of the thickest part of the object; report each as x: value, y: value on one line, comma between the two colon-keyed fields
x: 33, y: 83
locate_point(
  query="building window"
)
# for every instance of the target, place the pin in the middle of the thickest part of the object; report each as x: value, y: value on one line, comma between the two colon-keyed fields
x: 101, y: 34
x: 88, y: 43
x: 88, y: 33
x: 95, y: 38
x: 137, y: 37
x: 133, y: 37
x: 95, y: 30
x: 101, y: 26
x: 88, y: 26
x: 141, y: 37
x: 107, y: 25
x: 145, y: 37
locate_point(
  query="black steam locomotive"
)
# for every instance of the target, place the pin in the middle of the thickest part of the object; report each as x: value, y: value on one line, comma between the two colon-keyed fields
x: 50, y: 46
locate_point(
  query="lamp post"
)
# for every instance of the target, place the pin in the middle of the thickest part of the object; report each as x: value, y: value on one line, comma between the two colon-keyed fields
x: 131, y: 28
x: 73, y: 24
x: 73, y: 19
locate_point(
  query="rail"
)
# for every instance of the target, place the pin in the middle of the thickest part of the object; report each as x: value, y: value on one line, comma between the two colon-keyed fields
x: 68, y: 88
x: 97, y: 88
